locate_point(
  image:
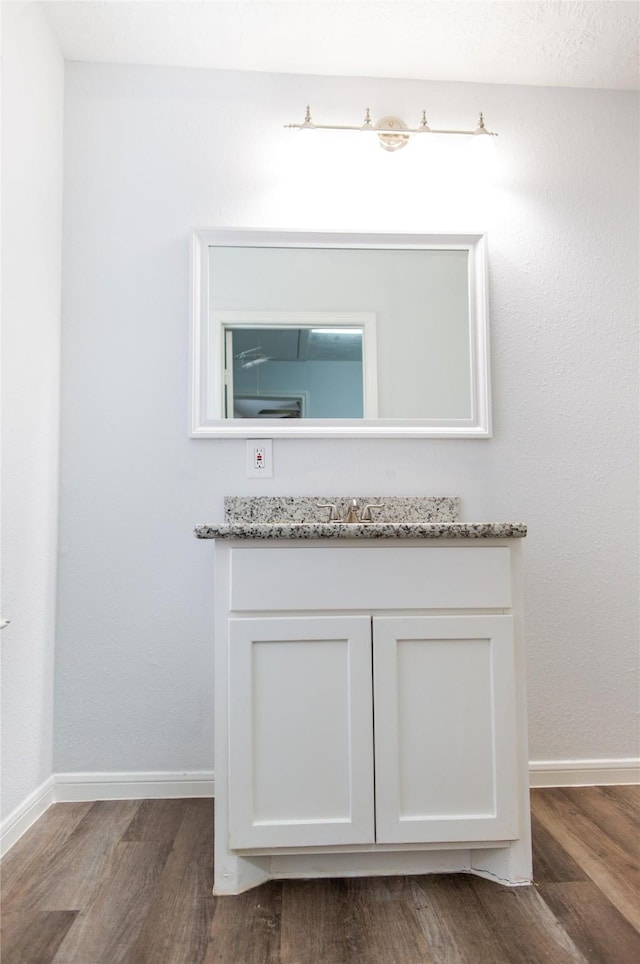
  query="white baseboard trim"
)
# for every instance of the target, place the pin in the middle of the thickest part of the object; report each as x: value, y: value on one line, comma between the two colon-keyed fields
x: 72, y: 787
x: 583, y: 773
x: 167, y: 785
x: 24, y: 816
x: 89, y: 787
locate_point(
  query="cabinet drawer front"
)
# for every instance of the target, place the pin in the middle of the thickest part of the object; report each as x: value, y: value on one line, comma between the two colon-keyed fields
x: 382, y: 577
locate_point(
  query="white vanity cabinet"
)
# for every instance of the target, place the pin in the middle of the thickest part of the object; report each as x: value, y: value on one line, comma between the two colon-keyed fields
x: 369, y: 710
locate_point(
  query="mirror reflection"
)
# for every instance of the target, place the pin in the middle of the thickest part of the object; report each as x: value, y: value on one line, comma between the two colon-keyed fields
x: 294, y: 372
x: 339, y: 334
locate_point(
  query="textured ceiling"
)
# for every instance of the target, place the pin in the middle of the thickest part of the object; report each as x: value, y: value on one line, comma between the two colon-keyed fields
x: 541, y: 42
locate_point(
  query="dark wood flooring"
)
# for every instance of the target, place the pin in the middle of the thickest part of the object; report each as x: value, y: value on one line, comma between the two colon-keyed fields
x: 131, y: 882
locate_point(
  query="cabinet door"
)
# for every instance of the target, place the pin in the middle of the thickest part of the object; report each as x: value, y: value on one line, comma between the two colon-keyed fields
x: 444, y: 697
x: 300, y: 725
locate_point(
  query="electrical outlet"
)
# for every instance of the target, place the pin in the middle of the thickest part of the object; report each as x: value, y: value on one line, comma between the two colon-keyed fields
x: 259, y: 458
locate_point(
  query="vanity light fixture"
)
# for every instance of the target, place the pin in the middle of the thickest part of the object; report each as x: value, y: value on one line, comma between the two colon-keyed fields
x: 392, y: 132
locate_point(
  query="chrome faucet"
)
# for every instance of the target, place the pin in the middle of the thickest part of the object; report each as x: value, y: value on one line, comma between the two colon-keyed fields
x: 352, y: 515
x: 333, y: 514
x: 366, y: 512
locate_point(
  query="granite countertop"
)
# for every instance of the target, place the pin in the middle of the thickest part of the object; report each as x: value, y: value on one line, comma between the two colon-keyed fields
x: 360, y: 530
x: 400, y: 517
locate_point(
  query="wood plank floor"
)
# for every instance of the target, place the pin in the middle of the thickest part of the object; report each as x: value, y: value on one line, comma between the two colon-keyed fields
x: 130, y: 882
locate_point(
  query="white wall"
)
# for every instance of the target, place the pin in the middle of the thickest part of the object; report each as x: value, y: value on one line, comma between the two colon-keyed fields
x: 32, y: 107
x: 151, y: 153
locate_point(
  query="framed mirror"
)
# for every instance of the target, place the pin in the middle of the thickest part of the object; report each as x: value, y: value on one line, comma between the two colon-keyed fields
x: 339, y: 335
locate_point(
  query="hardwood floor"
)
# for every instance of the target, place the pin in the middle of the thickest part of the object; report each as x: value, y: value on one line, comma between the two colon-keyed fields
x: 131, y: 882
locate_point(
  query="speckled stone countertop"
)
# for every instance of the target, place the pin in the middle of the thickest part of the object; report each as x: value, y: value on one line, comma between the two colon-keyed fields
x: 359, y: 530
x: 305, y: 508
x: 298, y: 517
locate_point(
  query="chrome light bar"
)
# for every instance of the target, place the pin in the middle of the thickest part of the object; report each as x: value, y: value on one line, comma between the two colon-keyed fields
x: 392, y: 132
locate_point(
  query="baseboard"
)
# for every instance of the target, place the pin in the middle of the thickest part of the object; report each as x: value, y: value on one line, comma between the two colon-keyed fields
x: 583, y: 773
x: 88, y: 787
x: 26, y: 815
x: 71, y: 787
x: 166, y: 785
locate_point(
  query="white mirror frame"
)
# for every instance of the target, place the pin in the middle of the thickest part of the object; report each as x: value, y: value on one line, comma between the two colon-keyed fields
x: 204, y: 353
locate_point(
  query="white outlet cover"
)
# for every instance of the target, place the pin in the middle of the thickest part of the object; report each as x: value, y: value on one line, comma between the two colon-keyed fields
x: 259, y: 458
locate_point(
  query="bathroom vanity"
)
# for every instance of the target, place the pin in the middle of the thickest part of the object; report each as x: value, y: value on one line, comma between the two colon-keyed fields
x: 369, y: 695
